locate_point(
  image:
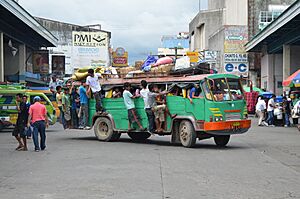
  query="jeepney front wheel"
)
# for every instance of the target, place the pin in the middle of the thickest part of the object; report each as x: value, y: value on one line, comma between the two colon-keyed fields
x: 139, y: 136
x: 103, y: 130
x: 222, y: 140
x: 187, y: 134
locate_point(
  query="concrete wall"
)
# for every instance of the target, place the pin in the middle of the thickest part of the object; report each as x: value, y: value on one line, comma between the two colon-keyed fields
x: 254, y: 8
x: 271, y: 73
x: 212, y: 22
x: 295, y: 58
x: 216, y: 4
x: 216, y: 42
x: 236, y: 12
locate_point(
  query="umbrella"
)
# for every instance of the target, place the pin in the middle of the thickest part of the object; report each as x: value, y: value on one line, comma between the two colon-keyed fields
x: 293, y: 80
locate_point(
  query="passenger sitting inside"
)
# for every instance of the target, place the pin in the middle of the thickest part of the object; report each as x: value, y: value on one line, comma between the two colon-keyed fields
x: 117, y: 93
x: 158, y: 106
x: 195, y: 93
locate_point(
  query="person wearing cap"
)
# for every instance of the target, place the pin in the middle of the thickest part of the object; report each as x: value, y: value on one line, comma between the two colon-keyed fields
x: 194, y: 93
x: 38, y: 118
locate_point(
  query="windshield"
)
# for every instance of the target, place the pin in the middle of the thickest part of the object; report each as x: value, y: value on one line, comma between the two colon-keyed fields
x: 223, y: 89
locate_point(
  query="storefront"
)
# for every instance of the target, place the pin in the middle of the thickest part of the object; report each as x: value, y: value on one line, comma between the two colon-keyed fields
x: 23, y: 45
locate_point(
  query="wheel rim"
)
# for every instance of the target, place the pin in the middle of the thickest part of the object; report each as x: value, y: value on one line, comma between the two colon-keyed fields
x: 184, y: 134
x: 103, y: 129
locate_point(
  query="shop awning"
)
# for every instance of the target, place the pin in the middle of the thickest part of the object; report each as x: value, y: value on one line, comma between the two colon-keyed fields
x: 293, y: 80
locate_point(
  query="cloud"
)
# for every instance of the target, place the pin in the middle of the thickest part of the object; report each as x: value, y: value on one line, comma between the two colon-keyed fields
x: 136, y: 25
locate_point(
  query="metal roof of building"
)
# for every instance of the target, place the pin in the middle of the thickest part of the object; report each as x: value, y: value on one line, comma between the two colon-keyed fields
x: 283, y: 30
x: 17, y: 23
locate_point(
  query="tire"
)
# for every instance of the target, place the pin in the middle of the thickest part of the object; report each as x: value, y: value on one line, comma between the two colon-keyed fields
x: 222, y: 140
x: 187, y: 134
x: 139, y: 136
x: 103, y: 130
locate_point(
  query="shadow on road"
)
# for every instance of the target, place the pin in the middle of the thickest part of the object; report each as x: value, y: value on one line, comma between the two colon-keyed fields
x: 166, y: 143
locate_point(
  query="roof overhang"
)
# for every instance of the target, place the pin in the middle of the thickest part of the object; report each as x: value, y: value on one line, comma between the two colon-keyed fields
x: 45, y: 38
x: 283, y: 30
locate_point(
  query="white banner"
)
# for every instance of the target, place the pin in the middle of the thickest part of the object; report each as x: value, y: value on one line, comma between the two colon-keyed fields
x: 89, y: 39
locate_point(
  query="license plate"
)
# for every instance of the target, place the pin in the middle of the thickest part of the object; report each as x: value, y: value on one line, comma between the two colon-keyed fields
x: 236, y: 124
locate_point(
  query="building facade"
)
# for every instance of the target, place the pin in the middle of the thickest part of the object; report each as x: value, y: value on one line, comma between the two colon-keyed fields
x: 77, y: 47
x: 225, y: 28
x: 23, y: 46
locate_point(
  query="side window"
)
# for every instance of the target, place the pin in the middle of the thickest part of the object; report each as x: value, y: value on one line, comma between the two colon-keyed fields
x: 44, y: 101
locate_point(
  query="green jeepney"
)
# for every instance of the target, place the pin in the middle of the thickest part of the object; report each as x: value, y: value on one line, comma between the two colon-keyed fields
x: 219, y: 113
x: 8, y: 107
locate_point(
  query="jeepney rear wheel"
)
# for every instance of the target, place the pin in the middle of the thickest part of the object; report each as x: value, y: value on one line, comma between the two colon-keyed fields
x: 103, y: 130
x: 222, y: 140
x: 139, y: 136
x: 187, y: 134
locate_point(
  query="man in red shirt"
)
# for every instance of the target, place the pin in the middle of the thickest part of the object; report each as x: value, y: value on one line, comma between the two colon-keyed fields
x: 38, y: 118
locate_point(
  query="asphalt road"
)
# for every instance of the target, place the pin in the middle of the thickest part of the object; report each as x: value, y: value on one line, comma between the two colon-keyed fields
x: 263, y: 163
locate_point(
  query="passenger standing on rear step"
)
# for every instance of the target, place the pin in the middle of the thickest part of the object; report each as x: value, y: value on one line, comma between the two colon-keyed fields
x: 129, y: 103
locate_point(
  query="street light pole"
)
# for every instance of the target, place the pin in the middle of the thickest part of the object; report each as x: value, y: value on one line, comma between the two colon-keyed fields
x: 199, y: 5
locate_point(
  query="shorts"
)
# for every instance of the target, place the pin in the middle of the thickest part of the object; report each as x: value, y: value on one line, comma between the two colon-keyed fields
x: 132, y: 116
x: 19, y: 130
x: 159, y: 112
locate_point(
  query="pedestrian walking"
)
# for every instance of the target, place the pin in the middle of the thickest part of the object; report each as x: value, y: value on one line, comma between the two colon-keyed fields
x: 28, y: 131
x: 270, y: 109
x: 147, y: 106
x: 38, y: 118
x: 19, y: 130
x: 260, y: 110
x: 84, y: 107
x: 94, y: 86
x: 129, y: 103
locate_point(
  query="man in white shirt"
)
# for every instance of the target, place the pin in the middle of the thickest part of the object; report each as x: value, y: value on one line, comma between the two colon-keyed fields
x: 93, y: 82
x: 270, y: 109
x: 150, y: 114
x: 260, y: 110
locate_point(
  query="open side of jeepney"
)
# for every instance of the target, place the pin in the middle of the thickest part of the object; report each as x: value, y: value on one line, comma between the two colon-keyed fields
x: 219, y: 113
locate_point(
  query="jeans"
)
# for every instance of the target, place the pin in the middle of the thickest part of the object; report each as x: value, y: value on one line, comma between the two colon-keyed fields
x: 62, y: 117
x: 260, y: 115
x: 270, y: 119
x: 151, y: 120
x: 287, y: 119
x: 74, y: 118
x: 84, y: 115
x: 97, y: 97
x: 39, y: 127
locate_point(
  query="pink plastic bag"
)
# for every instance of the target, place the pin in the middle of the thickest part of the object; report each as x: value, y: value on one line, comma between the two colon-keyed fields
x: 164, y: 60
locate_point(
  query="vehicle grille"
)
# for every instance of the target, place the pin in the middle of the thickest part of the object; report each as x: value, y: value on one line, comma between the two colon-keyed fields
x: 235, y: 116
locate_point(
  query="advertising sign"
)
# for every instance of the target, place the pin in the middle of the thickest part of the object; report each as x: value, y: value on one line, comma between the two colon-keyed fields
x: 235, y: 57
x: 237, y: 68
x: 89, y: 39
x: 235, y: 39
x: 194, y: 56
x: 89, y: 49
x: 210, y: 56
x: 41, y: 62
x: 120, y: 58
x: 58, y: 65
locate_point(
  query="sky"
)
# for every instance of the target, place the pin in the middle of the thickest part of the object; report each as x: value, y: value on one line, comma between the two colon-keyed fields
x: 136, y: 25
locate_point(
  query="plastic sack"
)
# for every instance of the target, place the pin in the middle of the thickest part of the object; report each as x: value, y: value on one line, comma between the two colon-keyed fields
x: 150, y: 60
x: 163, y: 61
x: 182, y: 63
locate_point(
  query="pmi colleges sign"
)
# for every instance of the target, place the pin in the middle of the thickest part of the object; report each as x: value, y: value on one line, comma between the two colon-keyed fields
x: 89, y: 39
